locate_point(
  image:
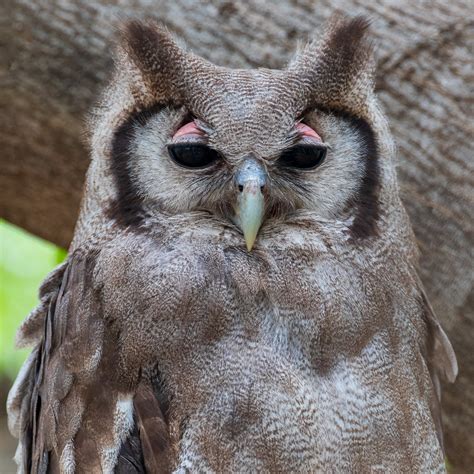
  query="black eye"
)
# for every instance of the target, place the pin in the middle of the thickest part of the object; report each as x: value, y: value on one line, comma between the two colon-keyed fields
x: 304, y: 156
x: 192, y: 155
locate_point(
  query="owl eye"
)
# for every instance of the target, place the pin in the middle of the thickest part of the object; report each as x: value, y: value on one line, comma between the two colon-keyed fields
x: 303, y: 156
x: 192, y: 155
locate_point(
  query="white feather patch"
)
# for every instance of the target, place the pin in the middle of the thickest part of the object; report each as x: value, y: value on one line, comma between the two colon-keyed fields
x: 123, y: 423
x: 67, y: 462
x: 18, y: 458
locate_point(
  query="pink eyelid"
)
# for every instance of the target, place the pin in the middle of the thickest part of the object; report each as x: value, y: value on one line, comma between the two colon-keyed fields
x: 190, y: 129
x: 306, y: 131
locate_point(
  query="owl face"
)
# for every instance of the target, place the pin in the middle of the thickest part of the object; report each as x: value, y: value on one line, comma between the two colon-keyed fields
x: 263, y: 167
x: 247, y: 147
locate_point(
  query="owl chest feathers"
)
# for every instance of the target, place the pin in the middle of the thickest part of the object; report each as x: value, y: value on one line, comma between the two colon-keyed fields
x: 297, y: 299
x: 295, y: 334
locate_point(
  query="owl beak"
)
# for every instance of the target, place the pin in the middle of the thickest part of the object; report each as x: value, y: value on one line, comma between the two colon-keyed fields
x: 250, y: 208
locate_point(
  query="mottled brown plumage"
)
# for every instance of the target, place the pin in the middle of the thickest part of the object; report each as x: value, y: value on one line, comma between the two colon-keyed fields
x: 165, y: 344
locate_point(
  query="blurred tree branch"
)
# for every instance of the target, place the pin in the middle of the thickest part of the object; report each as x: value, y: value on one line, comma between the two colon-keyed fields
x: 56, y: 55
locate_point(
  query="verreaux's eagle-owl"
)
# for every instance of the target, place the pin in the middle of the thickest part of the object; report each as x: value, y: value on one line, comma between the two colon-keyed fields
x: 241, y: 293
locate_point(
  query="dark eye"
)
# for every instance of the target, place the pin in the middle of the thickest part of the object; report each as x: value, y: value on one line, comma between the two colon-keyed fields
x: 192, y: 155
x: 303, y: 156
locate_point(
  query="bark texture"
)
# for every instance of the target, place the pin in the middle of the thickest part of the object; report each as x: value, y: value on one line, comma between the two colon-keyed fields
x: 55, y: 57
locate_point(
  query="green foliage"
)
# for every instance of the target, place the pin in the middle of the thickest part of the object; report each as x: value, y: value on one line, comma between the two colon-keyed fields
x: 24, y: 261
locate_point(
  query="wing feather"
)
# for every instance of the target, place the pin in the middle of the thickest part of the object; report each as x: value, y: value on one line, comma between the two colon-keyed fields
x: 153, y: 430
x: 70, y: 405
x: 440, y: 357
x: 61, y: 326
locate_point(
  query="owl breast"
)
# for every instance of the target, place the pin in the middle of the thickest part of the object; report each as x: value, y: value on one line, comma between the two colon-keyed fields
x: 270, y: 355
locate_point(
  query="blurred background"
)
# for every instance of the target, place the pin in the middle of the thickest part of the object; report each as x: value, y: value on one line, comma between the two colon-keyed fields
x: 55, y: 57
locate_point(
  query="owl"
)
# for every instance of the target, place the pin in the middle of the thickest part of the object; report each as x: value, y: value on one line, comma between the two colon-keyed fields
x: 241, y: 294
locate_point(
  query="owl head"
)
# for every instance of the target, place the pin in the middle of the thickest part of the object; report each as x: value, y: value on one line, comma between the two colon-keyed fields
x: 244, y: 147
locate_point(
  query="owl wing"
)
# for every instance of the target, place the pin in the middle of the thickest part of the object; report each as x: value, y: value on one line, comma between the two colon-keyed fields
x: 68, y: 406
x: 440, y: 357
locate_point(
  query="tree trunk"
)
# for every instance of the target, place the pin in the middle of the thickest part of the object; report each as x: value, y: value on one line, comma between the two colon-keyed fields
x: 56, y: 55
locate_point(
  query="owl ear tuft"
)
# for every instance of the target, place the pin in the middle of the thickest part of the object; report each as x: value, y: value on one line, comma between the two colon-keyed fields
x: 346, y: 42
x: 154, y: 59
x: 339, y: 68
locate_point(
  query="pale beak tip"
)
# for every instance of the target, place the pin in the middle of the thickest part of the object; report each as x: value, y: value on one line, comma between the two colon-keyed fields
x: 250, y: 243
x: 250, y: 236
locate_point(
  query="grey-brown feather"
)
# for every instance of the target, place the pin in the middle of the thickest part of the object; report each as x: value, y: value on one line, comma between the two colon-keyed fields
x: 318, y: 350
x: 153, y: 430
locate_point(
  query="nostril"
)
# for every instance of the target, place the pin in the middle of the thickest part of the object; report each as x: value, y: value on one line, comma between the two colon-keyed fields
x: 241, y: 188
x: 262, y: 188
